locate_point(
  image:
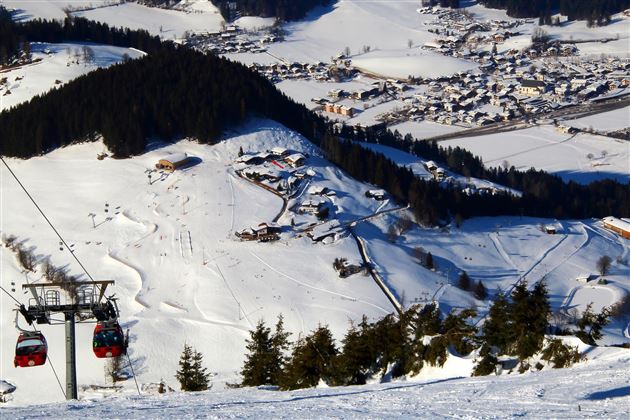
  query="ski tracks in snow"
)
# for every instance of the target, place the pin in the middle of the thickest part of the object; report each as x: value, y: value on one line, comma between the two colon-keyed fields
x: 319, y: 289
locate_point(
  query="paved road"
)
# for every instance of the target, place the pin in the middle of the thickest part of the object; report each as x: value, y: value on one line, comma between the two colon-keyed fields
x: 568, y: 113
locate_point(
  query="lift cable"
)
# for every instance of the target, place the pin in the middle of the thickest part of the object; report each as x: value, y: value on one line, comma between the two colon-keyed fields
x: 49, y: 361
x: 63, y: 241
x: 10, y: 295
x: 132, y: 371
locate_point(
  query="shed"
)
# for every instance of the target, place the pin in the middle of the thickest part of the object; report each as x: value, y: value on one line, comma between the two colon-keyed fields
x: 619, y: 226
x: 550, y: 229
x: 172, y: 161
x: 583, y: 278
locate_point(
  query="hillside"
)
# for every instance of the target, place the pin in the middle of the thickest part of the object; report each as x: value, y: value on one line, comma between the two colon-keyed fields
x: 598, y: 389
x: 284, y: 207
x: 183, y: 276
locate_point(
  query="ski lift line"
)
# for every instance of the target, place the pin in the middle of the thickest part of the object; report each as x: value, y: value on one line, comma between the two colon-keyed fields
x: 63, y: 391
x: 46, y: 218
x: 10, y: 295
x: 133, y: 373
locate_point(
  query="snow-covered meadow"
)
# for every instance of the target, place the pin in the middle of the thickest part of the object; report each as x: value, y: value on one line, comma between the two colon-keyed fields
x: 582, y: 157
x: 54, y: 65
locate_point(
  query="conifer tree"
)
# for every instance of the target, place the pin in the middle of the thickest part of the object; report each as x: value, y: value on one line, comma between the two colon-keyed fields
x: 591, y: 324
x: 192, y: 376
x: 480, y: 291
x: 497, y: 328
x: 279, y: 347
x: 311, y: 360
x: 257, y: 368
x: 487, y: 364
x: 530, y: 312
x: 355, y: 360
x: 464, y: 282
x: 459, y: 332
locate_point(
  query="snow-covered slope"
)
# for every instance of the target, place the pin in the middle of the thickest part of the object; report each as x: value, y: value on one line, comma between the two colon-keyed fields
x: 57, y: 64
x: 187, y: 15
x: 582, y: 158
x: 167, y: 23
x: 182, y: 276
x: 598, y: 388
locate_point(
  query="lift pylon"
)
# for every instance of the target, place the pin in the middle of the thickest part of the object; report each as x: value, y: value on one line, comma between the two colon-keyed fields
x: 78, y: 302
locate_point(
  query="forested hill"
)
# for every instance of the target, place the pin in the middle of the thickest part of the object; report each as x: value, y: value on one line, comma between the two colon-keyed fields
x: 178, y: 92
x: 591, y: 10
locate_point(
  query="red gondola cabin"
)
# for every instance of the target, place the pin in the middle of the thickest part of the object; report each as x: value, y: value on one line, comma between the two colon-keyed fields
x: 109, y: 340
x: 30, y: 350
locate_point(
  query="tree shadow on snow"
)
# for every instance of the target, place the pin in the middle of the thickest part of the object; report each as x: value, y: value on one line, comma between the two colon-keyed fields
x: 623, y: 391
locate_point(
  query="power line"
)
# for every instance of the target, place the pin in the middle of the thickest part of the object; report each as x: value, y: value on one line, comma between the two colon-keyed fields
x: 63, y: 241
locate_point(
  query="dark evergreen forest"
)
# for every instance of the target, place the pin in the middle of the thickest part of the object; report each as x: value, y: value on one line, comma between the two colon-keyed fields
x: 282, y: 9
x: 175, y: 92
x: 593, y: 10
x: 9, y: 38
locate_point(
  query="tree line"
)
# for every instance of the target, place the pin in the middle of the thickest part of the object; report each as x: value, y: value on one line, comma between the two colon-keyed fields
x: 594, y: 11
x: 175, y: 92
x: 282, y: 9
x: 396, y: 346
x: 543, y: 194
x: 10, y: 41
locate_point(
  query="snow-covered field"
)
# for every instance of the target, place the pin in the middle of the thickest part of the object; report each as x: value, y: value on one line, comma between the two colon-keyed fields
x: 414, y: 62
x: 543, y: 147
x: 168, y: 24
x: 59, y: 63
x: 599, y: 388
x: 181, y: 275
x: 187, y: 15
x: 606, y: 121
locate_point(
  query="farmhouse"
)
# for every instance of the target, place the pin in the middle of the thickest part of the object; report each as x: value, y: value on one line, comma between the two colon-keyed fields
x: 264, y: 232
x: 172, y: 162
x: 378, y: 195
x: 280, y: 151
x: 295, y: 160
x: 619, y: 226
x: 311, y: 207
x: 532, y: 87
